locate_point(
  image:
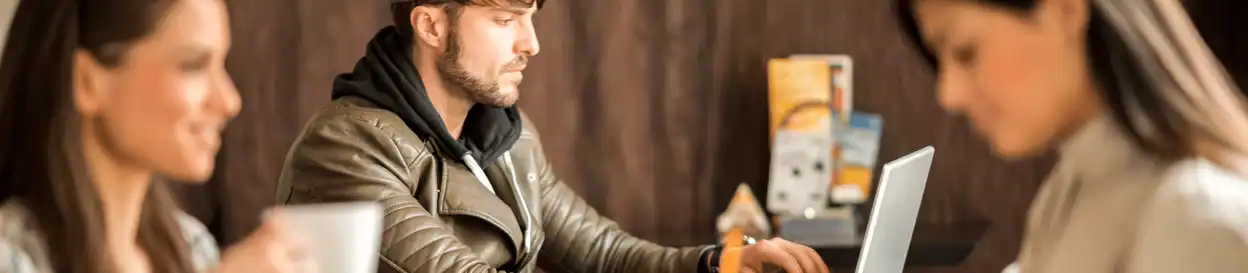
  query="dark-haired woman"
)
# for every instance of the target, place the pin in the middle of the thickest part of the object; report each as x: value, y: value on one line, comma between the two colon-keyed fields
x: 98, y: 99
x: 1152, y: 134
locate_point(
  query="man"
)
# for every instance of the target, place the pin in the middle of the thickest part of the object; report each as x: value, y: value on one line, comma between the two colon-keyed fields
x: 427, y: 126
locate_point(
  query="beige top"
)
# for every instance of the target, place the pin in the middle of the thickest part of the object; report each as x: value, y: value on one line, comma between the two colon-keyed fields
x: 23, y: 250
x: 1108, y: 208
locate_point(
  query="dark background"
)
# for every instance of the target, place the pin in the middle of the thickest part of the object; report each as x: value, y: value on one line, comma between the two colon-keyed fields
x: 653, y: 110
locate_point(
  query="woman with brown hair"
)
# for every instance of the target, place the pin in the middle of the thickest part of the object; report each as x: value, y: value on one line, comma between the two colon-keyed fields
x: 97, y: 99
x: 1151, y: 132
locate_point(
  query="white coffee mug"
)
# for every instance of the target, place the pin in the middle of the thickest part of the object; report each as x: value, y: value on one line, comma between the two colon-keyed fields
x: 340, y: 237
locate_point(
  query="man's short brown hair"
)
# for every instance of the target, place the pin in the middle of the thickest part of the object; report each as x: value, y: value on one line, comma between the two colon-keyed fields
x: 401, y: 12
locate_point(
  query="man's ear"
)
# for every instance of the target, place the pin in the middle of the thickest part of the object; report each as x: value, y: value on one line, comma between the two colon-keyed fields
x: 430, y: 25
x: 89, y: 82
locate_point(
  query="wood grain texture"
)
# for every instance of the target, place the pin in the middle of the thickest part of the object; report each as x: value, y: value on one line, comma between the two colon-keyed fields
x: 653, y: 110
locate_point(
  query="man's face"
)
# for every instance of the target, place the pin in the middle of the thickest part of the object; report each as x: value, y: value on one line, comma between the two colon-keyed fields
x: 487, y: 50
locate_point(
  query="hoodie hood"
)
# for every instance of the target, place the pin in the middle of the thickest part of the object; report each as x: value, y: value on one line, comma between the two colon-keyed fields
x: 386, y: 77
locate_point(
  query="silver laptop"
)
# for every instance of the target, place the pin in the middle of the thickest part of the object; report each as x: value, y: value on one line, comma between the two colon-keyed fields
x: 894, y: 213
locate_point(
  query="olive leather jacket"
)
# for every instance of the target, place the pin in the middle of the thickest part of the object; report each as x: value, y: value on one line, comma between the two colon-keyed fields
x: 440, y: 218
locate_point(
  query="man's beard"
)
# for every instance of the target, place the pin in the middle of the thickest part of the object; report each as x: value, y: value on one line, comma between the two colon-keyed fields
x: 474, y: 88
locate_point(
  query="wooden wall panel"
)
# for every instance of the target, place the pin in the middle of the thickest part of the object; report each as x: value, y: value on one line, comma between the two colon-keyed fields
x: 264, y: 70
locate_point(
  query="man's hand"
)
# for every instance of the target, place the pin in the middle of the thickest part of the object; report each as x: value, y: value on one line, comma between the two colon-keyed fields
x: 794, y: 258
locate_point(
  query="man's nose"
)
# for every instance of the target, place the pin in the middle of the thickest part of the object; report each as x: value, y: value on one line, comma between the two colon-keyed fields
x: 527, y: 43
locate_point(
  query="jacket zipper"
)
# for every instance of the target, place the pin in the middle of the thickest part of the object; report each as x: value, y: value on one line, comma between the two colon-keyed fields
x: 527, y: 250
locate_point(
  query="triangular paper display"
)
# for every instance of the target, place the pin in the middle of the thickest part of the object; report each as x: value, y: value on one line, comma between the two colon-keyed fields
x: 745, y: 213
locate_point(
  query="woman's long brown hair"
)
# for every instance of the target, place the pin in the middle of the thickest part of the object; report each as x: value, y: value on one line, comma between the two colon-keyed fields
x: 1162, y: 84
x: 41, y: 160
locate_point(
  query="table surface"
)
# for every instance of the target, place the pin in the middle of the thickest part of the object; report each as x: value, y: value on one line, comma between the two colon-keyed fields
x: 932, y: 244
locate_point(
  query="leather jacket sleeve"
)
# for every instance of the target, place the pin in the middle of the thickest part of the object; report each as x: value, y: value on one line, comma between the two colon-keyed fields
x: 353, y: 158
x: 578, y: 239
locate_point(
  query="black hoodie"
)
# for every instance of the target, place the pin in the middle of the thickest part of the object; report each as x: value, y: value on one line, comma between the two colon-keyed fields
x: 385, y: 76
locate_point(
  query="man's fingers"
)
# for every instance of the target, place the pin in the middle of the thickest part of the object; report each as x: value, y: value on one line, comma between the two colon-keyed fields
x: 799, y: 253
x: 770, y: 252
x: 812, y: 256
x: 823, y: 267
